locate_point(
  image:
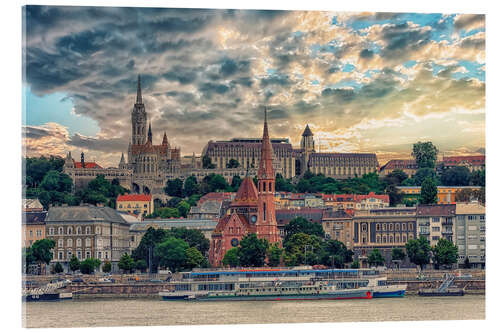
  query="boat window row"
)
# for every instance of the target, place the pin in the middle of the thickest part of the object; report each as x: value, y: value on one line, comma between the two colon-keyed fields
x: 221, y: 286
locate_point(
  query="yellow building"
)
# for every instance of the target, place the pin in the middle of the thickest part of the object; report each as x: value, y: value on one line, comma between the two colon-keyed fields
x: 137, y: 204
x: 445, y: 194
x: 33, y: 227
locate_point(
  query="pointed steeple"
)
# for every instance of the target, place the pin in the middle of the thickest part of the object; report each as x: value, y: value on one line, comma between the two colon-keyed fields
x: 139, y: 93
x: 122, y: 159
x: 266, y: 159
x: 165, y: 140
x: 307, y: 131
x: 150, y: 134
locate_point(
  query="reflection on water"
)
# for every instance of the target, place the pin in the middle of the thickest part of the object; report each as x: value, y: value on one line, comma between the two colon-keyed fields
x: 144, y: 312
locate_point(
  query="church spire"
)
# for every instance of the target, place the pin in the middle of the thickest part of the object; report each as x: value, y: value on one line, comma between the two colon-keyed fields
x: 150, y: 134
x: 266, y: 158
x: 139, y: 93
x: 165, y: 140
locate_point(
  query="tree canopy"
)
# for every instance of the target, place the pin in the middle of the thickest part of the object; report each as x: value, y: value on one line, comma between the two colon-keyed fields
x: 126, y: 263
x: 445, y: 252
x: 301, y: 225
x: 252, y: 251
x: 375, y: 258
x: 419, y: 251
x: 456, y: 176
x: 425, y: 154
x: 428, y: 192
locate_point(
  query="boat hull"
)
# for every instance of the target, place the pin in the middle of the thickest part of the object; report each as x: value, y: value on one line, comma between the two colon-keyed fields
x: 356, y: 294
x: 47, y: 297
x: 431, y: 293
x: 389, y: 294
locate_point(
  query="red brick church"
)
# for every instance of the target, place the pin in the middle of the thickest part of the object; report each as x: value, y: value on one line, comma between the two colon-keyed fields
x: 251, y: 211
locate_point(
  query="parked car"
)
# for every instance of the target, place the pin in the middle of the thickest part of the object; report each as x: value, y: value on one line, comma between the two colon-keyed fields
x: 105, y: 280
x: 77, y: 280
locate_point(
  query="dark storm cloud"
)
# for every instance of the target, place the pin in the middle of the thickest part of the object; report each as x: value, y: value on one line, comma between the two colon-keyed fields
x: 182, y: 74
x: 209, y: 88
x: 342, y: 94
x: 243, y: 81
x: 103, y: 145
x: 229, y: 67
x: 402, y: 39
x: 33, y: 132
x: 366, y: 54
x: 466, y: 21
x: 473, y: 43
x: 278, y: 80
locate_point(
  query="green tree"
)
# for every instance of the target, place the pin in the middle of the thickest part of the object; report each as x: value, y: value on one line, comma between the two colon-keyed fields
x: 141, y: 265
x: 41, y: 250
x: 301, y: 225
x: 173, y: 202
x: 478, y: 178
x: 283, y: 185
x: 421, y: 174
x: 456, y: 176
x: 302, y: 249
x: 419, y: 251
x: 207, y: 162
x: 398, y: 255
x: 89, y: 265
x: 194, y: 238
x: 336, y: 252
x: 425, y: 154
x: 428, y: 192
x: 172, y: 253
x: 396, y: 177
x: 236, y: 182
x: 183, y: 207
x: 152, y: 237
x: 355, y: 264
x: 194, y: 258
x: 191, y: 186
x: 445, y: 252
x: 395, y: 196
x: 28, y: 257
x: 232, y: 258
x: 74, y: 263
x: 252, y: 251
x: 174, y: 187
x: 126, y: 263
x: 274, y: 255
x: 375, y: 258
x: 106, y: 268
x: 58, y: 268
x: 232, y: 164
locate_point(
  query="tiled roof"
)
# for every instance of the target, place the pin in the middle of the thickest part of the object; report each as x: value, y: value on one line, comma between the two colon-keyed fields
x: 436, y: 210
x: 247, y: 193
x: 354, y: 197
x: 134, y: 197
x: 86, y: 213
x: 284, y: 216
x: 88, y: 165
x: 336, y: 214
x: 173, y: 223
x: 456, y: 160
x: 400, y: 164
x: 32, y: 204
x: 34, y: 217
x: 219, y: 196
x: 470, y: 208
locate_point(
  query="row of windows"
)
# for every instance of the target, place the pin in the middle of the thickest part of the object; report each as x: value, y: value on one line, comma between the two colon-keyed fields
x: 69, y: 242
x: 69, y: 255
x: 69, y: 231
x: 130, y: 206
x: 38, y: 233
x: 393, y: 238
x: 392, y: 226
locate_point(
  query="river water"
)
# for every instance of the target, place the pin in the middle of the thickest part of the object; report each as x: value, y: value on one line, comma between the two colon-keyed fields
x: 148, y: 311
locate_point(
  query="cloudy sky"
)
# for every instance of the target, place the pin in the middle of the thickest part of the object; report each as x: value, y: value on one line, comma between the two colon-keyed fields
x: 365, y: 82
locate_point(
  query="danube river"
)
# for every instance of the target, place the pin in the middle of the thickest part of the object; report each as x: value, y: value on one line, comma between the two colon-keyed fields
x: 144, y: 312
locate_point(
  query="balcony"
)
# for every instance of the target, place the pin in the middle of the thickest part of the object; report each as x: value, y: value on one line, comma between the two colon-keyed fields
x: 447, y: 232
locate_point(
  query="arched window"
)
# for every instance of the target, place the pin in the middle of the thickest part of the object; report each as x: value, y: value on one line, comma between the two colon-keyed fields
x: 403, y: 237
x: 98, y: 230
x: 397, y: 238
x: 377, y: 227
x: 378, y: 238
x: 60, y: 231
x: 384, y: 227
x: 69, y: 242
x: 70, y: 254
x: 384, y: 239
x: 78, y: 242
x: 87, y: 242
x: 78, y: 230
x: 70, y: 230
x: 264, y: 211
x: 60, y: 242
x: 403, y: 226
x: 410, y: 236
x: 87, y: 230
x: 391, y: 226
x: 391, y: 239
x: 397, y: 227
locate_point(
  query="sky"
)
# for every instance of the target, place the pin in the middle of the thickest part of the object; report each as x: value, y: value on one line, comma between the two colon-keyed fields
x: 364, y: 82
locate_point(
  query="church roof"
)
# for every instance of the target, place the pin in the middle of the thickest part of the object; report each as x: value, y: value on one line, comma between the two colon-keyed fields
x: 88, y: 165
x: 221, y: 225
x: 134, y: 197
x: 247, y: 193
x: 307, y: 131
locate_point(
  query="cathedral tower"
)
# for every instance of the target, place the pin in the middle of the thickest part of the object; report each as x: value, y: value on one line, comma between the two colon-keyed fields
x: 307, y: 142
x: 139, y: 118
x: 266, y: 226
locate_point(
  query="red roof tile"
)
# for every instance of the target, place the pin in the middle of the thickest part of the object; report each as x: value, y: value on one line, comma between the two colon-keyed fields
x: 88, y: 165
x: 134, y: 197
x: 456, y: 160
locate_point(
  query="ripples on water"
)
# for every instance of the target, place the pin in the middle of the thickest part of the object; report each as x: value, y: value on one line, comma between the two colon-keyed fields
x: 144, y: 312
